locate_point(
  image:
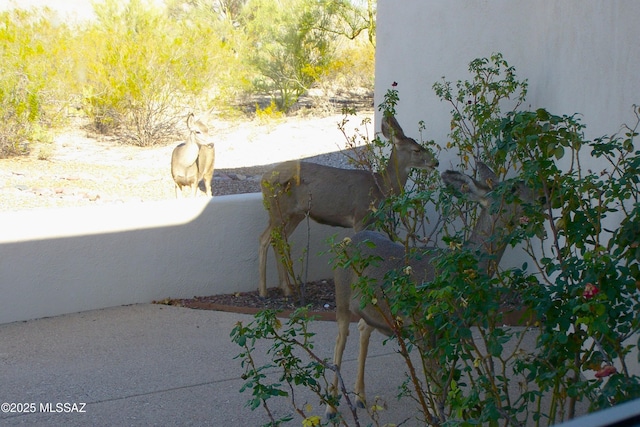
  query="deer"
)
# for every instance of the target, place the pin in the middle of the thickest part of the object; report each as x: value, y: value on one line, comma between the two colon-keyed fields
x: 333, y: 196
x: 206, y: 159
x: 495, y: 216
x: 192, y: 161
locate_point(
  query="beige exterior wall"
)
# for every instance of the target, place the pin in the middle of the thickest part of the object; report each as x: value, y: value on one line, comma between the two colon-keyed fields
x: 61, y: 261
x: 579, y: 56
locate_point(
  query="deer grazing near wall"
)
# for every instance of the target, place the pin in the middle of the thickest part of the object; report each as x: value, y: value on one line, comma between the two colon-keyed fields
x: 192, y: 161
x: 334, y: 196
x: 494, y: 217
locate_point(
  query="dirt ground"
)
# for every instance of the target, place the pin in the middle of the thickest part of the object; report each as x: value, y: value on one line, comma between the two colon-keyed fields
x: 319, y: 296
x: 80, y: 169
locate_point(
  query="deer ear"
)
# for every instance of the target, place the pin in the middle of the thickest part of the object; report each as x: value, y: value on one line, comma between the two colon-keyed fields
x: 391, y: 128
x: 486, y: 175
x: 466, y: 185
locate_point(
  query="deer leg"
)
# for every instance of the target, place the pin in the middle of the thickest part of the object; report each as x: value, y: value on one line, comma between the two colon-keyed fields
x: 207, y: 186
x: 283, y: 276
x: 286, y: 220
x: 365, y: 335
x: 208, y: 178
x: 206, y: 159
x: 343, y: 318
x: 265, y: 242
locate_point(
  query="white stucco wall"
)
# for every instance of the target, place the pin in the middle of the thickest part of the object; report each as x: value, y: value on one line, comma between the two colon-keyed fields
x: 61, y: 261
x: 579, y: 56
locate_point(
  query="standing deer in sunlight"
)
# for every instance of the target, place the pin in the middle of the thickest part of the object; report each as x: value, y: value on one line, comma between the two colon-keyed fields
x: 333, y: 196
x: 494, y: 217
x: 192, y: 161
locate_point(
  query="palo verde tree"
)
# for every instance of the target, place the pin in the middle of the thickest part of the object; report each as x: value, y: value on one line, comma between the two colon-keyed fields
x: 289, y: 51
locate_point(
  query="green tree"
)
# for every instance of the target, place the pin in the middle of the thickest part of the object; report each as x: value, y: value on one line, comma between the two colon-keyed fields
x: 288, y: 49
x: 352, y: 18
x: 225, y: 10
x: 212, y: 29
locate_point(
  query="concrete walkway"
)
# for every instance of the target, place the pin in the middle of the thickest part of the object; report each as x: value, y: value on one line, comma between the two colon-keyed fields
x: 155, y: 365
x: 146, y: 365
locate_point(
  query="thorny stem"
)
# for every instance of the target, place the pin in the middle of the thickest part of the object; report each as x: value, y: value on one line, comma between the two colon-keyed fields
x: 326, y: 365
x: 306, y: 255
x: 397, y: 332
x: 414, y: 379
x: 576, y: 377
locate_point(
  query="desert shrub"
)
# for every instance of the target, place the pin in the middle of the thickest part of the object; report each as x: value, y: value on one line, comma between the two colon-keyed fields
x: 353, y: 65
x: 138, y: 68
x: 129, y: 87
x: 350, y: 72
x: 32, y: 86
x: 213, y: 29
x: 282, y: 51
x: 146, y: 70
x: 352, y: 18
x: 269, y: 112
x: 347, y: 79
x: 288, y: 48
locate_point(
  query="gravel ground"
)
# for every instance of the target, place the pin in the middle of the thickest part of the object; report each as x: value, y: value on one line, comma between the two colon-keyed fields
x: 82, y: 170
x: 319, y: 298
